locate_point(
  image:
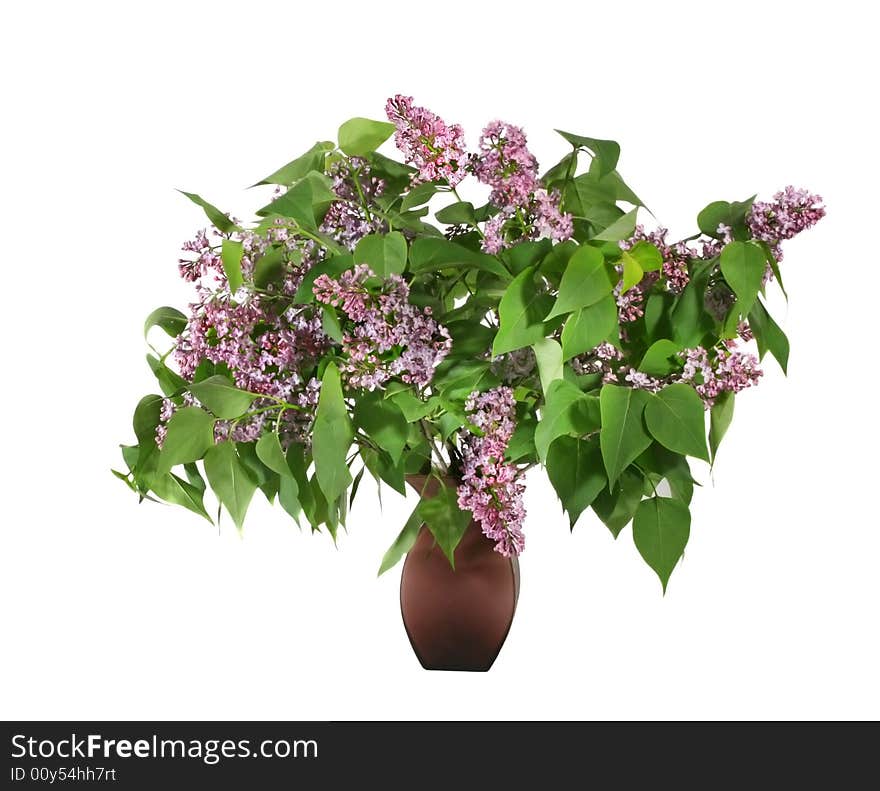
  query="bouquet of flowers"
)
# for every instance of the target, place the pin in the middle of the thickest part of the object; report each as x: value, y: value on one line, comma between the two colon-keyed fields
x: 370, y: 320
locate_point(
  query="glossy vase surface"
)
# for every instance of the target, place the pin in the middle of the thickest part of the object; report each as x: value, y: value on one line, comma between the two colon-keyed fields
x: 457, y: 619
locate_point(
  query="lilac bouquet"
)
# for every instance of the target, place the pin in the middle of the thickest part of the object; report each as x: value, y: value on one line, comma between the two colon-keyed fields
x: 372, y: 321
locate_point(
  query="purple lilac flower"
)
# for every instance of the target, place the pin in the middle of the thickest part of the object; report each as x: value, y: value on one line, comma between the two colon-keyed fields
x: 492, y: 489
x: 207, y: 259
x: 791, y: 211
x: 603, y: 359
x: 732, y: 371
x: 549, y: 221
x: 630, y: 303
x: 436, y: 149
x: 641, y: 381
x: 675, y: 255
x: 493, y: 237
x: 389, y: 336
x: 165, y: 412
x: 346, y: 220
x: 506, y: 164
x: 267, y: 351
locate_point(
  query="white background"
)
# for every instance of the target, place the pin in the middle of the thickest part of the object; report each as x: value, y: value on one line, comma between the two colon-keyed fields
x: 110, y: 609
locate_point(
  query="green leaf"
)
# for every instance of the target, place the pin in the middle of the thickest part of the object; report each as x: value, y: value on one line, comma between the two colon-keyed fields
x: 521, y: 312
x: 743, y: 265
x: 361, y: 136
x: 446, y: 521
x: 169, y: 319
x: 428, y: 254
x: 230, y: 480
x: 194, y: 476
x: 413, y: 407
x: 527, y: 253
x: 774, y: 266
x: 617, y: 506
x: 461, y: 213
x: 721, y: 212
x: 262, y: 475
x: 270, y: 452
x: 620, y: 229
x: 586, y: 328
x: 190, y: 434
x: 768, y: 335
x: 642, y: 257
x: 403, y: 543
x: 566, y: 411
x: 174, y: 490
x: 720, y: 419
x: 671, y: 467
x: 632, y: 271
x: 607, y: 152
x: 574, y: 467
x: 418, y: 195
x: 548, y: 353
x: 522, y: 444
x: 146, y: 418
x: 623, y: 436
x: 294, y: 170
x: 661, y: 358
x: 230, y: 254
x: 676, y: 418
x: 330, y: 324
x: 288, y: 496
x: 222, y: 397
x: 303, y: 201
x: 332, y: 437
x: 170, y: 381
x: 649, y: 258
x: 585, y: 281
x: 220, y: 220
x: 384, y: 253
x: 660, y: 530
x: 269, y: 267
x: 689, y: 319
x: 382, y: 467
x: 383, y: 421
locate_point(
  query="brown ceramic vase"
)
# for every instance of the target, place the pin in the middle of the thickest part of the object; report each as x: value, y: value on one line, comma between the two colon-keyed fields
x: 457, y: 619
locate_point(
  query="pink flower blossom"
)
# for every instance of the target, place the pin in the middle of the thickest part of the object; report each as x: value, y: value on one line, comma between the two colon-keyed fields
x: 491, y: 488
x: 506, y: 164
x: 387, y: 335
x: 435, y: 149
x: 346, y: 220
x: 791, y: 211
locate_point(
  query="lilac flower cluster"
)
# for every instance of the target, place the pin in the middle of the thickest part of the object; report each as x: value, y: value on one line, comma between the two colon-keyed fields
x: 631, y: 303
x: 436, y: 149
x: 791, y: 211
x: 266, y: 351
x: 723, y: 369
x: 506, y: 165
x: 347, y: 220
x: 675, y: 255
x: 511, y: 170
x: 492, y: 489
x: 732, y: 371
x: 207, y: 260
x: 386, y: 336
x: 603, y: 359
